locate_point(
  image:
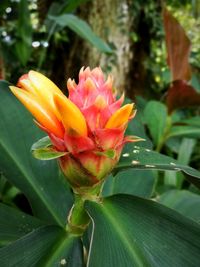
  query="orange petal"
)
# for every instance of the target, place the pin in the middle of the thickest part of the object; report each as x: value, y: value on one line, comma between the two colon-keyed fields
x: 120, y: 117
x: 42, y: 83
x: 39, y: 110
x: 45, y: 89
x: 71, y: 117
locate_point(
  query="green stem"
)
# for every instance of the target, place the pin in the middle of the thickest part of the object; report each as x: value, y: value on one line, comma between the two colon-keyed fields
x: 78, y: 218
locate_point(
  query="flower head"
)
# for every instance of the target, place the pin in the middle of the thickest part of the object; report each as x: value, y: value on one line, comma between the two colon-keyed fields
x: 89, y: 124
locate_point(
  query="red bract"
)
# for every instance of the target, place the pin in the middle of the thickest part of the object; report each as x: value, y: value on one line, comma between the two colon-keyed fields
x: 89, y: 125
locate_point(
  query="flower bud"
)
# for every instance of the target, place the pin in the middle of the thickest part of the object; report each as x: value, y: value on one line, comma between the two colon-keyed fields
x: 88, y: 126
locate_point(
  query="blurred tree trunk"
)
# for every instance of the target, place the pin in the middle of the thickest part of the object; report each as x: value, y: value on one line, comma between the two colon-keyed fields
x: 112, y: 21
x: 115, y: 22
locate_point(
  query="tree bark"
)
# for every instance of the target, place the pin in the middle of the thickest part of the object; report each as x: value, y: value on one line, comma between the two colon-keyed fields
x: 115, y: 21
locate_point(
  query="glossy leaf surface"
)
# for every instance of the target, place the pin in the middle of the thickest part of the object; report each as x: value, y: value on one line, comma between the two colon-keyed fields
x: 130, y: 231
x: 132, y: 182
x: 141, y: 158
x: 155, y: 115
x: 15, y: 224
x: 185, y: 202
x: 185, y: 131
x: 45, y: 247
x: 47, y: 153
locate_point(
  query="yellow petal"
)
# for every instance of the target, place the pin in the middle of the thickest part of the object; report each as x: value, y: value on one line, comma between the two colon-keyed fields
x: 71, y: 117
x: 45, y: 89
x: 25, y: 83
x: 39, y: 110
x: 120, y: 117
x: 42, y: 83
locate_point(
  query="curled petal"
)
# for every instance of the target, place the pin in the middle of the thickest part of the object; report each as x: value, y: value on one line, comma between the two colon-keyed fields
x: 39, y: 110
x: 71, y: 116
x: 120, y: 117
x: 25, y: 84
x: 44, y: 86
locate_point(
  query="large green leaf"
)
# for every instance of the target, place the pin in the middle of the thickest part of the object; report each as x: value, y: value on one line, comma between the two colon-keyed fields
x: 129, y: 231
x: 81, y: 28
x: 177, y: 179
x: 15, y: 224
x: 194, y: 121
x: 183, y: 201
x: 155, y: 115
x: 141, y: 158
x: 40, y: 181
x: 184, y: 131
x: 45, y: 247
x: 132, y: 182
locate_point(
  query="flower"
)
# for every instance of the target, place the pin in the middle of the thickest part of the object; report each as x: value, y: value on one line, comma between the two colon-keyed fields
x: 89, y: 124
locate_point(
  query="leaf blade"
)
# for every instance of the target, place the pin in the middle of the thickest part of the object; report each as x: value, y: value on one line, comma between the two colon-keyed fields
x: 81, y: 28
x: 143, y: 159
x: 152, y: 230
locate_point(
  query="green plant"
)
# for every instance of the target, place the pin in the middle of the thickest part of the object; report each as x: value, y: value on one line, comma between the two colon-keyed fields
x: 114, y: 225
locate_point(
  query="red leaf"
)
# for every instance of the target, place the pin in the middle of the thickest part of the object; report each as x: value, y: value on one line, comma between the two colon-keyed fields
x: 181, y: 95
x: 178, y: 48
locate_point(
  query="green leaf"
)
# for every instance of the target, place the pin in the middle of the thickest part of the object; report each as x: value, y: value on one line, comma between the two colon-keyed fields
x: 136, y: 128
x: 184, y: 131
x: 47, y: 153
x: 194, y: 121
x: 183, y: 201
x: 40, y: 181
x: 188, y: 145
x: 15, y: 224
x: 81, y: 28
x: 46, y: 247
x: 42, y: 143
x: 183, y: 158
x: 130, y: 231
x: 155, y: 115
x: 132, y: 182
x: 71, y: 5
x: 141, y: 158
x: 110, y: 153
